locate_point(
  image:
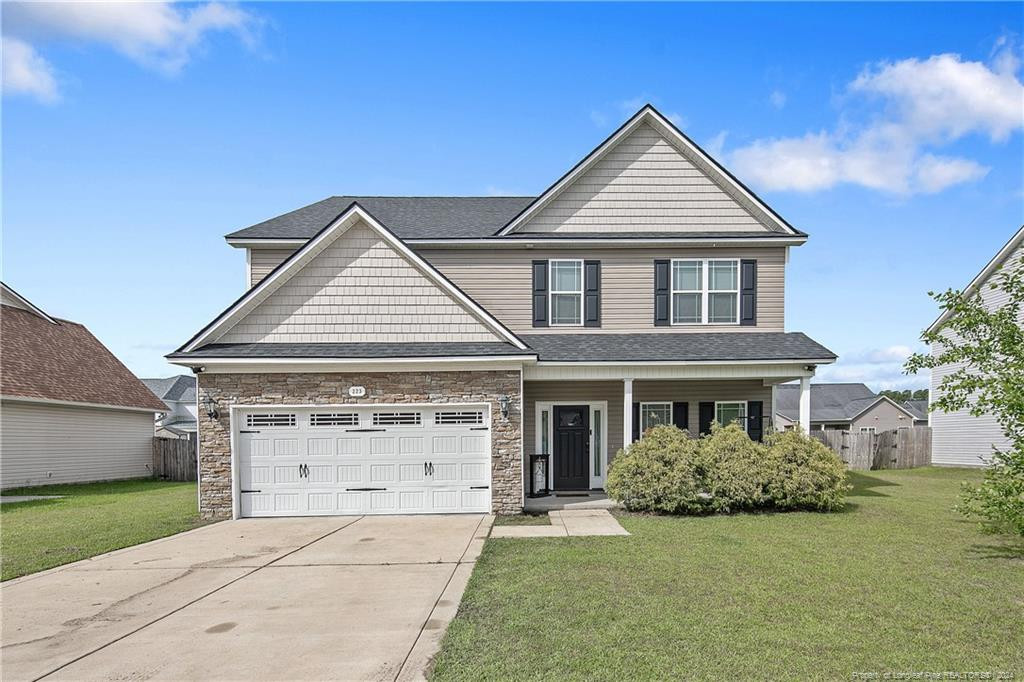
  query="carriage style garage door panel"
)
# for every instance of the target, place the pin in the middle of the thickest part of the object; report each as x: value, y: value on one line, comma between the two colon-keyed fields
x: 379, y: 459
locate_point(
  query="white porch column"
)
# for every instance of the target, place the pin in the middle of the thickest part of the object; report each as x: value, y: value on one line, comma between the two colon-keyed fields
x: 805, y: 404
x: 627, y: 412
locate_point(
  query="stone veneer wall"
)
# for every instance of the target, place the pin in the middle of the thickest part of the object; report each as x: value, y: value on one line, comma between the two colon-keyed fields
x: 381, y: 387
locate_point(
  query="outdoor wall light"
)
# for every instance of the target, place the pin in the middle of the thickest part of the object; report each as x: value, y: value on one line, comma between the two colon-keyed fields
x: 503, y: 403
x: 210, y: 407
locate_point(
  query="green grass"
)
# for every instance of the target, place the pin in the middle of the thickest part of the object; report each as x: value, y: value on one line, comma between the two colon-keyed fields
x: 523, y: 520
x: 897, y: 582
x: 91, y: 519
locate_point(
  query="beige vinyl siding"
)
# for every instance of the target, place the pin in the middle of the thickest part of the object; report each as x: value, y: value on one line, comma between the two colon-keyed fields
x: 579, y: 392
x: 262, y: 261
x: 960, y: 438
x: 884, y: 416
x: 643, y: 184
x: 501, y: 281
x: 74, y: 444
x: 575, y: 392
x: 358, y: 289
x: 695, y: 392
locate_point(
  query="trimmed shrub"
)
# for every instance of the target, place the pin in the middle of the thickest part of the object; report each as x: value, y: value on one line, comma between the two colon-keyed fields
x: 658, y: 473
x: 734, y: 469
x: 804, y: 473
x: 669, y: 472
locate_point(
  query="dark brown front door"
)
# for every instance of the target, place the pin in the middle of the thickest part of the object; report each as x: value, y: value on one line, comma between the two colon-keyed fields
x: 572, y: 446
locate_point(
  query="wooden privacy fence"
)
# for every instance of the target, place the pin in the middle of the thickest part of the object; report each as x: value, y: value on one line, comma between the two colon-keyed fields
x: 174, y: 459
x: 895, y: 449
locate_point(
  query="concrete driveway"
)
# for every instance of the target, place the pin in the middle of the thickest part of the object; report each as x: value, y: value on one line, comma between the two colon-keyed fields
x: 256, y: 599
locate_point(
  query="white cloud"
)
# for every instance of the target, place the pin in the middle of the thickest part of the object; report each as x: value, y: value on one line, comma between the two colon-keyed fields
x: 159, y: 35
x: 715, y: 144
x: 925, y: 103
x: 879, y: 368
x: 777, y: 99
x: 26, y: 73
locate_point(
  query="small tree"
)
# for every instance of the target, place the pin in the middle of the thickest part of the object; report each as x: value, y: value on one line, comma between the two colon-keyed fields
x: 987, y: 349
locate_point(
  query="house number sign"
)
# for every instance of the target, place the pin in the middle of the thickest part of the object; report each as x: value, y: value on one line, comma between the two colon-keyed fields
x: 357, y: 391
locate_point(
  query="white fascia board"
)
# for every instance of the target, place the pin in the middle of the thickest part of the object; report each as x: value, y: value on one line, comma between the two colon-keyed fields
x: 27, y: 303
x: 621, y: 243
x: 73, y: 403
x: 327, y: 235
x: 306, y: 365
x: 547, y: 363
x: 560, y: 242
x: 646, y: 115
x: 985, y: 273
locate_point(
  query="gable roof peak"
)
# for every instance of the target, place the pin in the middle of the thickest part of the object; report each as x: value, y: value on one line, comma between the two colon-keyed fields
x: 717, y: 173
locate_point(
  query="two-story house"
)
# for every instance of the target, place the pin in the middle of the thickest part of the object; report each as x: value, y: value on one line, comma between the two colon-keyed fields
x: 409, y: 354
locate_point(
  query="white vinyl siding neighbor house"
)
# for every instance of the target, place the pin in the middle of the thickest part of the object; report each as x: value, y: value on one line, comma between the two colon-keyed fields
x: 49, y: 443
x: 959, y: 438
x: 70, y: 412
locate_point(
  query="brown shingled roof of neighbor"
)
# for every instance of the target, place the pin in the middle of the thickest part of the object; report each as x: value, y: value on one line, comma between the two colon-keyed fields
x: 63, y: 361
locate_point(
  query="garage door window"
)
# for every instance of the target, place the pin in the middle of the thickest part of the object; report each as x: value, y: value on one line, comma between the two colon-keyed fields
x: 452, y: 417
x: 268, y: 420
x: 397, y: 418
x: 334, y: 419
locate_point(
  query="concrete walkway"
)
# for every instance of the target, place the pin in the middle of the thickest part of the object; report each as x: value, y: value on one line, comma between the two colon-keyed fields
x: 566, y: 523
x: 354, y: 598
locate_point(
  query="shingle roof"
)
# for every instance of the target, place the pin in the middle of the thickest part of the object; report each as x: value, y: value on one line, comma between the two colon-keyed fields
x: 683, y: 346
x: 64, y: 362
x: 829, y: 402
x: 350, y: 350
x: 181, y: 388
x: 407, y: 217
x: 667, y: 347
x: 919, y: 408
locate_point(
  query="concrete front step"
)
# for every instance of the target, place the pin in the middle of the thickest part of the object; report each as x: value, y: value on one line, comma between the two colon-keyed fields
x: 566, y: 523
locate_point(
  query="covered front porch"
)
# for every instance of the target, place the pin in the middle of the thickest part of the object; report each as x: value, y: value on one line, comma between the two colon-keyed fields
x: 581, y: 416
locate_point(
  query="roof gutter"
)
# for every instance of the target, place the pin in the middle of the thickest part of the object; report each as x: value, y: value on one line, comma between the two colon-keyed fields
x: 575, y: 242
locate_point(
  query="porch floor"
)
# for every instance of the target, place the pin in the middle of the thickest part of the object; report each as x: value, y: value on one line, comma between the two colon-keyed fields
x: 554, y: 502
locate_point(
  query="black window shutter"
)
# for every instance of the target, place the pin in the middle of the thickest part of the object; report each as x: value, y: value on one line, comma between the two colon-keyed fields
x: 636, y: 422
x: 540, y: 293
x: 748, y: 293
x: 707, y: 415
x: 681, y: 415
x: 755, y: 412
x: 662, y: 307
x: 592, y: 293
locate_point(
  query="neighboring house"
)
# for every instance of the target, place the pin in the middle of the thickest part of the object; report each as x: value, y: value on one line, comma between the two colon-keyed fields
x: 920, y: 410
x: 846, y: 407
x: 179, y: 394
x: 69, y: 410
x: 959, y: 438
x: 409, y: 354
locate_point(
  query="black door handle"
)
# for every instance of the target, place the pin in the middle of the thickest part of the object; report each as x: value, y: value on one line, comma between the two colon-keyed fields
x: 431, y: 468
x: 424, y: 468
x: 300, y: 471
x: 305, y: 468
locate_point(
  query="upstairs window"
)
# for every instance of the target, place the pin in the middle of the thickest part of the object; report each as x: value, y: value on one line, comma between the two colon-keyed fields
x: 705, y: 291
x: 566, y: 293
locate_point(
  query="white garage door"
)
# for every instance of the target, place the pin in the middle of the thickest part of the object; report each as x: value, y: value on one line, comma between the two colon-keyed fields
x: 380, y: 459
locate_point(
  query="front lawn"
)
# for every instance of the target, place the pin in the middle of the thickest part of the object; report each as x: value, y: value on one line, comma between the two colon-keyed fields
x: 897, y: 582
x: 91, y: 519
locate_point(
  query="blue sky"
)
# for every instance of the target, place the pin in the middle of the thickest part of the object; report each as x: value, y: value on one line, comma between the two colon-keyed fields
x: 135, y: 137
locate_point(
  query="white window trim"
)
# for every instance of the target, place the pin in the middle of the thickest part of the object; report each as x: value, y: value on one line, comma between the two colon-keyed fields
x: 868, y: 429
x: 743, y: 421
x: 705, y: 276
x: 654, y: 402
x: 595, y: 481
x: 552, y: 292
